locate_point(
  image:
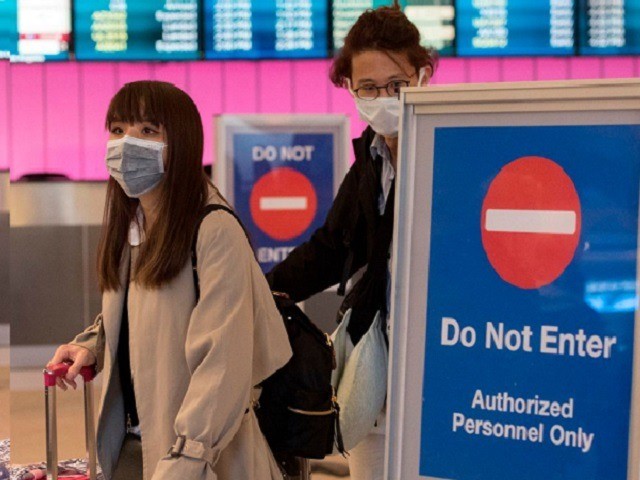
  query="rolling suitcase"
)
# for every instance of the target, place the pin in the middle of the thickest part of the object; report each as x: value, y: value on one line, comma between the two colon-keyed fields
x: 88, y: 374
x: 50, y: 377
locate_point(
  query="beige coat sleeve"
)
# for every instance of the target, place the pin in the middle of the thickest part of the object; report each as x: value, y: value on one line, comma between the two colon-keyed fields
x: 93, y: 340
x: 219, y: 351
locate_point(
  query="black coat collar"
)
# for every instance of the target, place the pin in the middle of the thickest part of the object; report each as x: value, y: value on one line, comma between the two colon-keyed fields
x: 371, y: 171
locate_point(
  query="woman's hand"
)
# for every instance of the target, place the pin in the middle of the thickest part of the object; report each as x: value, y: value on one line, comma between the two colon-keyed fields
x: 78, y: 357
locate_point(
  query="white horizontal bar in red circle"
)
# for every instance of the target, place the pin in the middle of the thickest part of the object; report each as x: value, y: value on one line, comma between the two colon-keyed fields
x: 284, y: 203
x: 558, y: 222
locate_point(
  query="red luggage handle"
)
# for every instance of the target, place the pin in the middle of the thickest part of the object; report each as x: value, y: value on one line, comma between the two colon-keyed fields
x: 61, y: 369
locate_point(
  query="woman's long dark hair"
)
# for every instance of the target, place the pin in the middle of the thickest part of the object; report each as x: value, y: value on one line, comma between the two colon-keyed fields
x: 184, y: 188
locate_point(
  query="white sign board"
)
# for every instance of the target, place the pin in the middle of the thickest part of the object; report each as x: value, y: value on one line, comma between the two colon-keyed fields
x: 514, y: 349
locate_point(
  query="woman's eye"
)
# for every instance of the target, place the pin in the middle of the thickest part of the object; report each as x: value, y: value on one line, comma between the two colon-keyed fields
x: 149, y: 131
x: 116, y: 131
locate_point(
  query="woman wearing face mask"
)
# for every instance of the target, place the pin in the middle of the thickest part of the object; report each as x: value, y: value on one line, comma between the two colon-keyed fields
x: 178, y: 373
x: 381, y: 54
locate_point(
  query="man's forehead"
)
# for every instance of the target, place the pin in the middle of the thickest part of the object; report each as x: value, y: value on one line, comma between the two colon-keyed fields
x: 378, y: 65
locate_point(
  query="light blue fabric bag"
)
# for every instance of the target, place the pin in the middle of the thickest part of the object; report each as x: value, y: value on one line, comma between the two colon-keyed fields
x: 360, y: 379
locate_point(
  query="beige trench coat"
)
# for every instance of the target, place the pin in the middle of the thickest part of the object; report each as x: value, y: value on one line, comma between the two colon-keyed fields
x: 193, y: 366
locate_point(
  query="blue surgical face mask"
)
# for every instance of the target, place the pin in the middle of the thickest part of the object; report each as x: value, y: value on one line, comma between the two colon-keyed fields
x: 136, y: 164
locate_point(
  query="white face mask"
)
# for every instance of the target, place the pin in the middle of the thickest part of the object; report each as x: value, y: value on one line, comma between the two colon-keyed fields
x: 383, y: 113
x: 136, y: 164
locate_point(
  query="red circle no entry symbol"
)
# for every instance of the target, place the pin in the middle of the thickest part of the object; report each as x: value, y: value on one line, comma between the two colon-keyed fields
x: 283, y: 203
x: 531, y: 222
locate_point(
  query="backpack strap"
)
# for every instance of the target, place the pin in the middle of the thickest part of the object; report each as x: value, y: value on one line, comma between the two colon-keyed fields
x: 213, y: 207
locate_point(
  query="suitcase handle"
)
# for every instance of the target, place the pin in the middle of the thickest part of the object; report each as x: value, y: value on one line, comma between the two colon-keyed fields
x: 61, y: 369
x: 50, y: 377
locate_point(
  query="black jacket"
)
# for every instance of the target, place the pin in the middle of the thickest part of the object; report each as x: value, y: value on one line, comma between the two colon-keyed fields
x: 350, y: 226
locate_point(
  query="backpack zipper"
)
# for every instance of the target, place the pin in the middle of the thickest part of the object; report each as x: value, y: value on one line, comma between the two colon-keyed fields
x: 312, y: 414
x: 334, y: 407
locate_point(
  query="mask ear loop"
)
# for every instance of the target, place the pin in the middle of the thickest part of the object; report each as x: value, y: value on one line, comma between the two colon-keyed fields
x: 421, y: 75
x: 349, y: 87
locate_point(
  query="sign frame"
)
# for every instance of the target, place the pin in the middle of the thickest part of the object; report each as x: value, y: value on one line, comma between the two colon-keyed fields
x: 225, y: 126
x: 600, y: 102
x: 4, y: 190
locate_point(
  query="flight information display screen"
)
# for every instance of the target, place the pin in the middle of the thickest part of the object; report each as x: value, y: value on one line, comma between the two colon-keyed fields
x: 136, y: 29
x: 515, y: 27
x: 254, y: 29
x: 35, y: 30
x: 434, y: 19
x: 609, y: 27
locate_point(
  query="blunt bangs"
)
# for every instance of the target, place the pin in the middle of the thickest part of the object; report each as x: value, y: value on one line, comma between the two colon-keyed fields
x: 137, y: 102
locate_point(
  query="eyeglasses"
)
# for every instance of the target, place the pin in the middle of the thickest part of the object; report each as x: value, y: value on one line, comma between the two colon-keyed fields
x: 371, y: 92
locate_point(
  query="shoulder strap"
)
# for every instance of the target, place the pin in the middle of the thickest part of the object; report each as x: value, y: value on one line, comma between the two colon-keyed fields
x: 213, y: 207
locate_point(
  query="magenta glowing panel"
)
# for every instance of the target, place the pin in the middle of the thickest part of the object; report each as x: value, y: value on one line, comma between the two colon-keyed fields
x: 52, y: 118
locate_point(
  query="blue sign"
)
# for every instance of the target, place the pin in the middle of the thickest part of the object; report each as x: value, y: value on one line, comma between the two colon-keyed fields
x: 525, y: 380
x: 283, y: 189
x: 8, y: 28
x: 433, y: 18
x: 609, y: 28
x: 254, y: 29
x: 517, y: 27
x: 136, y: 30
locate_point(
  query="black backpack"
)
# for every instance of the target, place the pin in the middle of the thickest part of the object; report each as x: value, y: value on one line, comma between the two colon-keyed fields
x: 298, y: 412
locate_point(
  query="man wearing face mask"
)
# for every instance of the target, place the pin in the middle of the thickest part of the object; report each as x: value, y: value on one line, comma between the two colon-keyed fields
x: 381, y: 54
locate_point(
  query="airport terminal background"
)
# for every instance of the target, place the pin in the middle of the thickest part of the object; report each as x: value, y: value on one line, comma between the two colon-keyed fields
x: 263, y: 57
x: 52, y: 122
x: 59, y: 107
